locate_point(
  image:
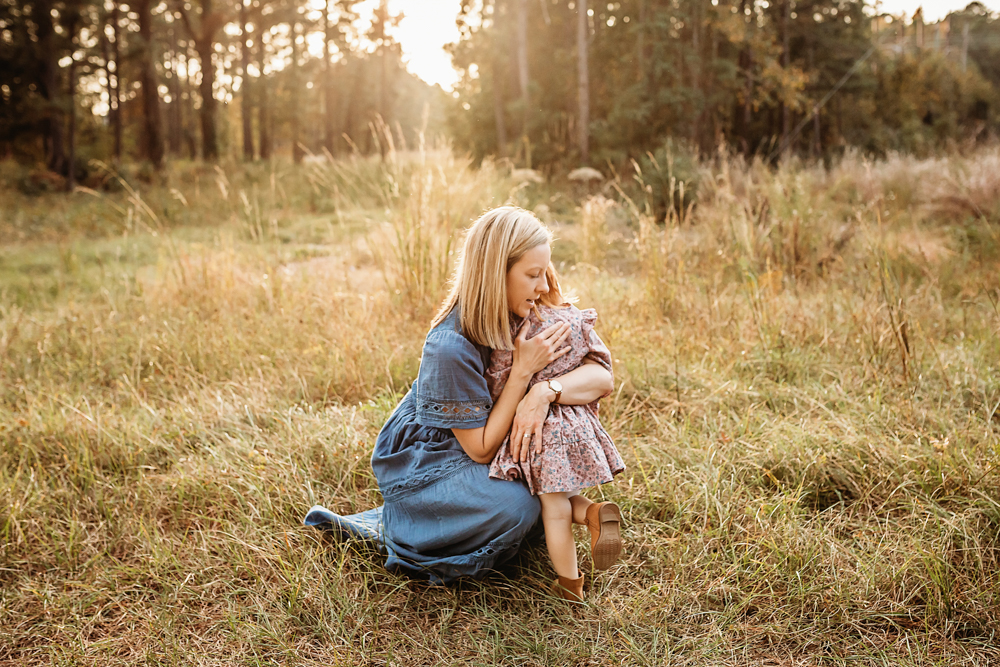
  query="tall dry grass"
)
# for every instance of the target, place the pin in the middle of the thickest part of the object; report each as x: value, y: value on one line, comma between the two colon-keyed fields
x: 807, y: 396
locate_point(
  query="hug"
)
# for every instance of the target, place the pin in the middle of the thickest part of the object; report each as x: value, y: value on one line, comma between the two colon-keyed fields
x: 500, y: 428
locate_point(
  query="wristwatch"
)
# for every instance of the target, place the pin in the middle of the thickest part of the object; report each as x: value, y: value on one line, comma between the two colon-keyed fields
x: 555, y: 386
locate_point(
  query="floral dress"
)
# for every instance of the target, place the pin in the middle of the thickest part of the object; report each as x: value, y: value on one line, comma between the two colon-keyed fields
x: 576, y: 450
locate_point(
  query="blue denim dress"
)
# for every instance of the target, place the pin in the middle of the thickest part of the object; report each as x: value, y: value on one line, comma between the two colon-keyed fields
x: 444, y: 517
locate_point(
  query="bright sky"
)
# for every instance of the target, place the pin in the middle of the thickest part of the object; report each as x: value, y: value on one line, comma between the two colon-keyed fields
x: 428, y: 25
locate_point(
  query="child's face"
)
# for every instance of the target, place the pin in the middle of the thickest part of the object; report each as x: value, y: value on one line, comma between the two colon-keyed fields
x: 526, y: 280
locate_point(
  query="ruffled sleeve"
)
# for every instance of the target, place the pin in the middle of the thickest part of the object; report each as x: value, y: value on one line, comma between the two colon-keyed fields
x: 599, y: 352
x: 451, y: 390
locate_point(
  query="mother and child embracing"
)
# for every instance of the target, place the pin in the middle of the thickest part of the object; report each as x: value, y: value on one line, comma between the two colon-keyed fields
x: 501, y: 425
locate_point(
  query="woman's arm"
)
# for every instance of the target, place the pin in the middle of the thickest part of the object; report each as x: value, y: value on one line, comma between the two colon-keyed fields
x: 481, y: 444
x: 530, y: 356
x: 584, y: 384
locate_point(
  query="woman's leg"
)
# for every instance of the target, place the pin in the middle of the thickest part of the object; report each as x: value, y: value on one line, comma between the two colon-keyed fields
x: 463, y: 524
x: 558, y: 516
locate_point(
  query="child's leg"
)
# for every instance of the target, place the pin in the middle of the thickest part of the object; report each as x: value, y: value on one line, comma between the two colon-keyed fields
x: 603, y: 520
x: 580, y: 505
x: 557, y: 516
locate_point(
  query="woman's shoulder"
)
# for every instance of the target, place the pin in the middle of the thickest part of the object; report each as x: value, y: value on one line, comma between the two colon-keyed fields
x: 449, y: 327
x: 449, y: 331
x: 447, y: 340
x: 450, y: 390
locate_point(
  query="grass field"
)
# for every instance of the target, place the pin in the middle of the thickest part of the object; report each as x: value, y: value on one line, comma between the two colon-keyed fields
x: 808, y: 402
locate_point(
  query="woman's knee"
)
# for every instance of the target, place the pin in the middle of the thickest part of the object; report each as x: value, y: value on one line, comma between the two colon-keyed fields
x: 518, y: 509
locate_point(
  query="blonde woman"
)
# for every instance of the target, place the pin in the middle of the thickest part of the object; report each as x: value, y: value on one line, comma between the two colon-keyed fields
x: 444, y: 517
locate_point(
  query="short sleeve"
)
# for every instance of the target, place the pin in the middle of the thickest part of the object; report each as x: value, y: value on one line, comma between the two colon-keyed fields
x: 451, y: 390
x: 599, y: 352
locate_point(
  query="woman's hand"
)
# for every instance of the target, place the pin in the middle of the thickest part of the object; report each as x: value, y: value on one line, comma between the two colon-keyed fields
x: 534, y: 354
x: 528, y: 420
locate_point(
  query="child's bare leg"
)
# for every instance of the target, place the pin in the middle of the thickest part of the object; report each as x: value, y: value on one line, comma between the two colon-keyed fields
x: 557, y: 517
x: 580, y: 505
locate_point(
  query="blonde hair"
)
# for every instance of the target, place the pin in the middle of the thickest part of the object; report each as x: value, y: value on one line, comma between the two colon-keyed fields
x: 493, y: 244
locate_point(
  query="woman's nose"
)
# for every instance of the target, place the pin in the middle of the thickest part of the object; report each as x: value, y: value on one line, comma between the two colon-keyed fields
x: 545, y: 285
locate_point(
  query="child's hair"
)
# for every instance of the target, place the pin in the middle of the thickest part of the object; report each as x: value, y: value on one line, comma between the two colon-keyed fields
x: 493, y: 244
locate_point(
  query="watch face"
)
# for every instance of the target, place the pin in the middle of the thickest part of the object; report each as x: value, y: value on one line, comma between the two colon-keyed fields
x: 555, y: 385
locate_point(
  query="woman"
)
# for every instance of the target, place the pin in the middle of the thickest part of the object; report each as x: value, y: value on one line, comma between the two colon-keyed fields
x: 444, y: 517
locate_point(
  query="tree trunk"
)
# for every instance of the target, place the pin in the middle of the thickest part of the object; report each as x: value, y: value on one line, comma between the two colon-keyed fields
x: 246, y: 101
x: 117, y: 119
x: 817, y: 136
x: 583, y: 81
x: 498, y: 109
x: 354, y: 99
x: 814, y: 146
x: 328, y: 92
x: 175, y: 112
x: 711, y: 84
x: 296, y: 139
x: 263, y: 109
x: 263, y: 121
x: 747, y: 111
x: 71, y: 166
x: 106, y: 57
x: 640, y: 42
x: 522, y: 62
x: 204, y: 41
x: 189, y: 136
x: 203, y: 44
x: 209, y: 140
x: 152, y: 120
x: 785, y: 111
x: 497, y: 53
x: 48, y: 57
x: 383, y: 92
x: 696, y: 106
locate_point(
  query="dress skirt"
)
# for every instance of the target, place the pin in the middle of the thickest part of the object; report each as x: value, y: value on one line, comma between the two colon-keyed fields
x: 444, y: 517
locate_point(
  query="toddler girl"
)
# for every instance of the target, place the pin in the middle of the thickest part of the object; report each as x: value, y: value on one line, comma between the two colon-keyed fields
x: 576, y: 452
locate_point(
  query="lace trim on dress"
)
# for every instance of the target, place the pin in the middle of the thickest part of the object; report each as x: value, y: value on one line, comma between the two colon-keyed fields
x: 493, y: 550
x: 419, y: 481
x: 453, y: 411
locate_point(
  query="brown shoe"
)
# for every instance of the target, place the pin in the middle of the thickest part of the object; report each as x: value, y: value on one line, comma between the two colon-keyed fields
x: 568, y: 589
x: 604, y: 521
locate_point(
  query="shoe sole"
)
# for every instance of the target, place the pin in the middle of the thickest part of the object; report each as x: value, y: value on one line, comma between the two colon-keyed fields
x: 609, y: 541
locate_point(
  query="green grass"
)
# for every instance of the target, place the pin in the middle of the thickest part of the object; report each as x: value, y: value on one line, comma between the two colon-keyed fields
x: 807, y: 401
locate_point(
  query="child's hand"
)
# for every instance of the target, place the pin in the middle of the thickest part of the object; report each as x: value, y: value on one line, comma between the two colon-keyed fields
x: 533, y: 354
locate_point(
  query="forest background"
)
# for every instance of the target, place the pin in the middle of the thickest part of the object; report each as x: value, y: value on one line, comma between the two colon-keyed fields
x: 553, y: 84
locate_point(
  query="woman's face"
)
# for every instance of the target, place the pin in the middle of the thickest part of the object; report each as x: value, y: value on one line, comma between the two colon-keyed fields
x: 526, y: 280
